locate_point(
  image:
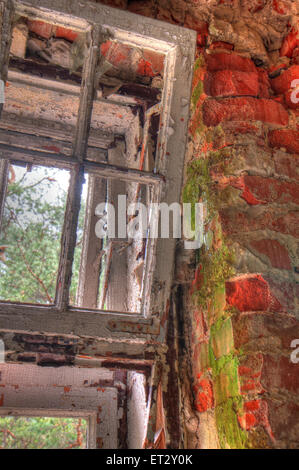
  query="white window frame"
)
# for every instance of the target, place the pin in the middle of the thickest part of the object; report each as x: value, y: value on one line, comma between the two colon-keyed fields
x: 89, y: 416
x: 178, y: 45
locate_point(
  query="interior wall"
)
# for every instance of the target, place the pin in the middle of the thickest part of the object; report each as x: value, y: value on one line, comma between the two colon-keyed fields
x: 234, y: 312
x: 63, y: 390
x: 242, y: 389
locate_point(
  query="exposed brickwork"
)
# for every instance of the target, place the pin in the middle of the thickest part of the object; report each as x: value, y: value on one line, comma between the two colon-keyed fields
x: 244, y: 109
x: 287, y: 139
x: 244, y: 387
x: 242, y: 100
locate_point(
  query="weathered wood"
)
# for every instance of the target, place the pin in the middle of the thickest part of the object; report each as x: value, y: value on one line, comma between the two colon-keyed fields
x: 75, y: 322
x: 4, y: 170
x: 62, y: 161
x: 47, y: 144
x: 69, y: 236
x: 116, y: 263
x: 52, y: 83
x: 178, y: 45
x: 53, y: 130
x: 90, y: 263
x: 6, y: 15
x: 87, y: 96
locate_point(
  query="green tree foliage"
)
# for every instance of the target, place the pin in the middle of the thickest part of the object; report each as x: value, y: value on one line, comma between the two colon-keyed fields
x: 31, y: 234
x: 42, y: 433
x: 31, y: 231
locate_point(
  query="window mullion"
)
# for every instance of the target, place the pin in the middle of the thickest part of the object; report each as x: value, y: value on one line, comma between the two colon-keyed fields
x: 6, y: 16
x: 87, y: 96
x: 68, y: 240
x: 4, y: 171
x: 91, y: 247
x: 99, y: 169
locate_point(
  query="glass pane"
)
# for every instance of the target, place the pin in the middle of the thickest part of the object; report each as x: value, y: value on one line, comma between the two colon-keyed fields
x: 110, y: 255
x: 47, y: 50
x: 30, y: 233
x: 42, y: 433
x: 41, y: 112
x: 44, y: 79
x: 130, y: 86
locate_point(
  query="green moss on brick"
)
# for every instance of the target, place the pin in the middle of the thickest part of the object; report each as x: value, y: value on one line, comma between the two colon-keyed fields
x: 215, y: 259
x: 216, y: 268
x: 228, y: 400
x: 197, y: 92
x: 229, y: 432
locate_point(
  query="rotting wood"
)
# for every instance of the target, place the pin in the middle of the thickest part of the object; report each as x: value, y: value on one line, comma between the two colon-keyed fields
x: 87, y: 96
x: 178, y: 48
x: 68, y: 240
x: 99, y: 169
x: 90, y: 263
x: 4, y: 170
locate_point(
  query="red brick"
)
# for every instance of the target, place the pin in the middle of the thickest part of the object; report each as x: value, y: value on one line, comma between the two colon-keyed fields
x: 251, y: 293
x: 264, y: 84
x: 289, y: 98
x: 249, y: 328
x: 156, y: 60
x: 250, y: 369
x: 239, y: 127
x: 271, y: 189
x: 283, y: 417
x: 221, y: 45
x: 235, y: 221
x: 247, y: 421
x: 287, y: 223
x: 295, y: 56
x: 203, y: 391
x: 144, y: 68
x: 283, y: 82
x: 40, y: 28
x: 289, y: 43
x: 281, y: 7
x: 287, y: 292
x: 277, y: 254
x: 252, y: 405
x: 285, y: 138
x: 65, y: 33
x: 229, y: 61
x: 244, y: 109
x: 247, y: 195
x: 286, y: 165
x: 231, y: 83
x: 259, y: 416
x: 115, y: 53
x: 280, y: 374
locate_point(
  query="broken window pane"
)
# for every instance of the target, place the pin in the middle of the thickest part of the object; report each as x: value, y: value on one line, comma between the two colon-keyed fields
x: 42, y: 433
x: 47, y: 50
x: 30, y: 234
x: 110, y: 254
x: 43, y: 87
x: 40, y: 111
x: 126, y: 105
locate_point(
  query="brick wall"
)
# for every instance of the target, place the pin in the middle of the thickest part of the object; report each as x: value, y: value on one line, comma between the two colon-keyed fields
x: 239, y: 300
x: 244, y: 131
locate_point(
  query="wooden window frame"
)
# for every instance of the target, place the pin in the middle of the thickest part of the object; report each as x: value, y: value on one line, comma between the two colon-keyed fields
x: 89, y: 416
x: 178, y: 45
